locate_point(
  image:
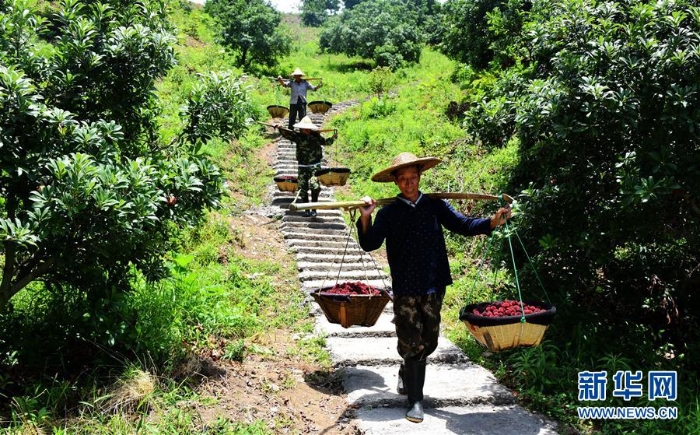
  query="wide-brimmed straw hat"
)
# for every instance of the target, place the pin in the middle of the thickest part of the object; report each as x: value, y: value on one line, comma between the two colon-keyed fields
x: 306, y: 123
x: 297, y: 72
x: 404, y: 160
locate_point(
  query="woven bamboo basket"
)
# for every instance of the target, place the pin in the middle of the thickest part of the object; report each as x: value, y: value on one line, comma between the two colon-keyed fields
x: 500, y: 333
x: 287, y: 183
x: 319, y: 106
x: 349, y: 310
x: 277, y: 111
x: 333, y: 176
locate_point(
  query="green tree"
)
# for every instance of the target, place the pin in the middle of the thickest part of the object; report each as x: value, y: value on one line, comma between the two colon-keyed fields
x: 607, y: 112
x: 463, y: 34
x: 349, y: 4
x: 315, y: 12
x: 86, y: 191
x: 218, y: 106
x: 251, y: 29
x: 385, y: 31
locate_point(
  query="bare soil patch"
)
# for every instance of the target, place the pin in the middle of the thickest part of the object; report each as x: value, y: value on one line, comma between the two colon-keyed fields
x: 288, y: 394
x: 291, y: 395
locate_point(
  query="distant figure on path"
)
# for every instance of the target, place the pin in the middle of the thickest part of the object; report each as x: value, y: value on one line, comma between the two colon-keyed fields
x: 297, y: 102
x: 309, y: 154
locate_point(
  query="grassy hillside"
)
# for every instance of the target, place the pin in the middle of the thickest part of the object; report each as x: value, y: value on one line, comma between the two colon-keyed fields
x: 233, y: 299
x: 226, y: 344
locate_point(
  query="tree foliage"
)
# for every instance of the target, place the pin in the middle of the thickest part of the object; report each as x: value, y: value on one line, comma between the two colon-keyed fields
x: 315, y: 12
x: 385, y: 31
x: 87, y: 192
x: 349, y: 4
x: 251, y: 29
x: 605, y: 102
x: 463, y: 31
x: 218, y: 106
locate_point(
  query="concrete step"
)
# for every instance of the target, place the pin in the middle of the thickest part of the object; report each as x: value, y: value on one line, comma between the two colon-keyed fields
x: 460, y: 384
x: 293, y: 230
x: 332, y: 236
x: 323, y: 218
x: 313, y: 285
x: 485, y: 419
x: 342, y: 276
x: 365, y: 261
x: 329, y: 251
x: 286, y: 171
x: 324, y: 253
x: 312, y: 224
x: 383, y: 328
x: 382, y: 351
x: 340, y: 243
x: 365, y: 270
x: 325, y: 195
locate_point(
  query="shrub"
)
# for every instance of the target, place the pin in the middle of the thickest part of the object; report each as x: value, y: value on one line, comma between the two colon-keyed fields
x: 384, y: 31
x: 251, y: 29
x: 607, y: 119
x: 88, y: 193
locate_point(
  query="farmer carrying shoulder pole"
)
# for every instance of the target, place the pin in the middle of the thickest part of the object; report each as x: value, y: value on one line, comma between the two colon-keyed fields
x: 309, y: 153
x: 413, y: 229
x: 297, y: 101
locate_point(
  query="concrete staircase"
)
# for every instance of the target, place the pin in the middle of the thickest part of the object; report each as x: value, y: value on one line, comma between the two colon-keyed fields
x: 460, y: 397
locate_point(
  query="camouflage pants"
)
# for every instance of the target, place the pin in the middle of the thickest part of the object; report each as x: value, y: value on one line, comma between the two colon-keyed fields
x: 307, y: 180
x: 417, y: 320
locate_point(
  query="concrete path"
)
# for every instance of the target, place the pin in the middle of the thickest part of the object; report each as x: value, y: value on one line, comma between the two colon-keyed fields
x: 460, y: 397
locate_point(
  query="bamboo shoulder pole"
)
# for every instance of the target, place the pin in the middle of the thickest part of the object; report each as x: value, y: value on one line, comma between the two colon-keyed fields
x: 384, y: 201
x: 322, y: 130
x: 274, y: 79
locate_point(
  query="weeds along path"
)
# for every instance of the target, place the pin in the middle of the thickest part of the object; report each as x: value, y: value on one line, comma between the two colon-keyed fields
x: 460, y: 397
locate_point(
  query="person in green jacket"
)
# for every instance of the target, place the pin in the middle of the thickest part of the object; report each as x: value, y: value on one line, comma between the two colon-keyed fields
x: 309, y: 143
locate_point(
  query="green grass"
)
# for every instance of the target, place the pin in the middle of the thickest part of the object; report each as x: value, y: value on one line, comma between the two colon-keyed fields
x: 215, y: 293
x: 214, y: 297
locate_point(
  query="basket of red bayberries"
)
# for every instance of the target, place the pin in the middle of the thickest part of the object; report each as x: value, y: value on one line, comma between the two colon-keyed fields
x: 352, y: 303
x: 507, y: 324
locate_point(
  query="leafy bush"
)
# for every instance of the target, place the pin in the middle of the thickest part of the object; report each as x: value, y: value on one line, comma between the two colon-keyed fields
x: 607, y: 117
x: 251, y: 29
x: 378, y: 108
x: 384, y: 31
x: 315, y: 12
x: 219, y: 106
x: 380, y: 80
x: 87, y: 191
x: 108, y: 193
x: 462, y: 31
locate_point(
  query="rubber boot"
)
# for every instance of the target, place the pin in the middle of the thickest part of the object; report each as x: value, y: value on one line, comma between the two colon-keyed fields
x: 401, y: 387
x: 314, y: 198
x: 415, y: 378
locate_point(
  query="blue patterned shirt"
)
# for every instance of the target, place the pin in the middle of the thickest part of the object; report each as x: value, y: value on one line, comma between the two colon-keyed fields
x: 415, y: 243
x: 298, y: 90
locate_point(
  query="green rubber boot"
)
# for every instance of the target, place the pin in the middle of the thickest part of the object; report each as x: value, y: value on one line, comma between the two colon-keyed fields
x: 401, y: 387
x: 415, y: 378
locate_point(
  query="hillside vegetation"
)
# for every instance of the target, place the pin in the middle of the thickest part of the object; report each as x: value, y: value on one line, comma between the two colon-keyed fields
x: 586, y: 113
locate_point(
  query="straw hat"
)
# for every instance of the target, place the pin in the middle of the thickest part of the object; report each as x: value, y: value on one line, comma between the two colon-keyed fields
x: 404, y: 160
x: 306, y: 123
x: 297, y: 72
